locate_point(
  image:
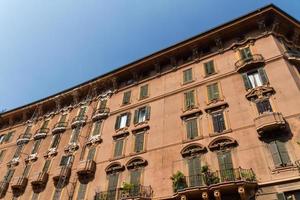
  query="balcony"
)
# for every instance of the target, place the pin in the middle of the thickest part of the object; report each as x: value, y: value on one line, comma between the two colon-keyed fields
x: 86, y: 168
x: 96, y: 139
x: 59, y: 127
x: 79, y: 121
x: 39, y: 179
x: 24, y: 138
x: 292, y: 56
x: 19, y: 184
x: 41, y: 133
x: 248, y: 63
x: 3, y: 188
x: 231, y: 182
x: 62, y: 173
x: 136, y: 192
x: 100, y: 113
x: 269, y: 121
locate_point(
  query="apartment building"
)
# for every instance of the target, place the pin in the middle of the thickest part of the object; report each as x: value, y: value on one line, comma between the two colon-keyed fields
x: 216, y: 117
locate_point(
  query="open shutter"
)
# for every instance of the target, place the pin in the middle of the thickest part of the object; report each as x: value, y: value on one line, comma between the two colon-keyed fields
x: 91, y: 153
x: 263, y: 76
x: 136, y: 116
x: 117, y: 124
x: 283, y: 152
x: 275, y: 153
x: 2, y: 152
x: 246, y: 81
x: 148, y: 111
x: 128, y: 119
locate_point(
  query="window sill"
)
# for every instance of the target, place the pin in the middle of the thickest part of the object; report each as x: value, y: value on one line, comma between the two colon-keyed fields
x: 192, y: 140
x: 222, y: 133
x: 117, y: 158
x: 209, y: 75
x: 289, y: 167
x: 120, y: 135
x: 187, y: 82
x: 140, y: 127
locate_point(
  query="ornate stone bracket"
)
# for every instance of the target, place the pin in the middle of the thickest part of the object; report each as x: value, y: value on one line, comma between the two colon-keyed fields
x: 50, y: 153
x: 94, y: 140
x: 31, y: 158
x: 259, y: 92
x: 71, y: 148
x: 13, y: 163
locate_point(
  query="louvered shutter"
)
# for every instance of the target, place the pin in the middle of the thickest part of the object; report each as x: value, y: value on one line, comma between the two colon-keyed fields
x: 281, y: 196
x: 128, y: 119
x: 215, y: 91
x: 103, y: 104
x: 136, y: 116
x: 118, y: 148
x: 209, y: 68
x: 144, y: 91
x: 148, y: 111
x: 283, y: 152
x: 117, y: 124
x: 36, y: 146
x: 81, y: 191
x: 126, y: 97
x: 210, y: 92
x: 45, y: 124
x: 263, y: 76
x: 63, y: 118
x: 187, y: 75
x: 135, y: 176
x: 46, y: 166
x: 55, y: 140
x: 247, y: 82
x: 189, y: 129
x: 194, y: 128
x: 82, y: 111
x: 96, y: 129
x: 113, y: 181
x: 275, y: 153
x: 64, y: 161
x: 139, y: 142
x: 26, y: 170
x: 91, y: 153
x: 194, y: 171
x: 226, y: 166
x: 9, y: 175
x: 2, y: 152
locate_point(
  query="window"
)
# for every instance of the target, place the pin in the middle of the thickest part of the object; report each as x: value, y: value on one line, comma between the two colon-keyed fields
x: 81, y: 191
x: 63, y: 118
x: 118, y: 147
x: 126, y: 97
x: 144, y: 92
x: 213, y: 92
x: 2, y: 138
x: 139, y: 142
x: 191, y: 128
x: 135, y: 176
x: 96, y: 129
x: 218, y: 121
x: 122, y: 121
x: 91, y: 153
x: 103, y: 103
x: 194, y: 168
x: 187, y: 76
x: 36, y: 146
x: 141, y: 115
x: 75, y: 134
x: 189, y: 100
x: 55, y: 141
x: 255, y: 78
x: 112, y: 185
x: 46, y: 166
x: 8, y: 136
x: 45, y: 124
x: 225, y: 165
x: 263, y: 106
x: 66, y: 161
x: 209, y: 68
x: 293, y: 195
x: 26, y: 170
x: 279, y: 153
x: 2, y: 153
x: 82, y: 112
x: 9, y: 174
x: 18, y: 151
x: 245, y: 53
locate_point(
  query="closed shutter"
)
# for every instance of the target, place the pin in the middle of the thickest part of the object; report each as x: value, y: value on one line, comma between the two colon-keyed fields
x: 187, y: 75
x: 36, y: 146
x: 9, y: 174
x: 96, y: 129
x: 45, y: 124
x: 128, y: 119
x: 135, y: 176
x: 144, y: 91
x: 28, y: 129
x: 63, y: 118
x: 113, y: 181
x: 213, y: 92
x: 82, y: 111
x: 246, y: 53
x: 139, y: 142
x: 192, y: 128
x: 81, y: 191
x: 148, y: 111
x: 75, y: 135
x: 275, y: 153
x: 209, y: 67
x: 103, y: 104
x: 194, y: 167
x: 118, y: 121
x: 8, y: 136
x: 247, y: 82
x: 63, y: 161
x: 136, y: 116
x: 189, y: 100
x: 26, y: 170
x: 55, y: 141
x: 91, y: 153
x: 263, y: 76
x: 18, y: 151
x: 46, y: 166
x: 281, y: 196
x: 263, y: 106
x: 285, y: 159
x: 126, y: 97
x: 226, y: 166
x: 218, y: 122
x: 118, y: 148
x: 2, y: 153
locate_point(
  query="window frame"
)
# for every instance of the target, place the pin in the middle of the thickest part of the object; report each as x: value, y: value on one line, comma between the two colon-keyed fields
x: 186, y: 76
x: 141, y: 96
x: 122, y: 153
x: 205, y: 64
x: 196, y: 119
x: 219, y: 98
x: 226, y: 126
x: 129, y: 93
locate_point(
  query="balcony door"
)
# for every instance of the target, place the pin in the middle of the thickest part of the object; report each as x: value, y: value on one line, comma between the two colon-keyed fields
x: 112, y: 186
x: 194, y: 167
x: 225, y: 166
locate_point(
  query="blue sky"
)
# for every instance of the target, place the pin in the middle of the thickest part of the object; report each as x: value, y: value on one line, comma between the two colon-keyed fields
x: 51, y: 45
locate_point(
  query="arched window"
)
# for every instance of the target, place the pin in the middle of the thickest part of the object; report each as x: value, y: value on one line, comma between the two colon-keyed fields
x: 135, y: 167
x: 113, y: 171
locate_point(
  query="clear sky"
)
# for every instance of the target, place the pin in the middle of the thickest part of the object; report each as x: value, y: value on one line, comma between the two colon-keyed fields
x: 51, y: 45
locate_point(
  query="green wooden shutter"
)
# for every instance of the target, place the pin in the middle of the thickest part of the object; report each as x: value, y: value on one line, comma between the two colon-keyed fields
x: 118, y: 147
x: 215, y: 91
x: 9, y: 174
x: 96, y: 129
x: 128, y: 119
x: 136, y: 116
x: 2, y: 153
x: 113, y: 181
x: 55, y: 141
x: 187, y: 75
x: 281, y: 196
x: 192, y: 128
x: 75, y: 134
x: 26, y: 170
x: 139, y: 142
x: 36, y: 146
x: 46, y: 166
x: 189, y: 99
x: 64, y: 161
x: 103, y: 103
x: 226, y: 166
x: 194, y: 167
x: 126, y: 97
x: 8, y: 136
x: 118, y: 121
x: 63, y: 118
x: 81, y: 191
x: 143, y: 91
x: 148, y: 111
x: 45, y: 124
x: 283, y: 152
x: 212, y: 91
x: 275, y: 153
x: 18, y: 151
x: 82, y: 111
x: 135, y: 176
x: 247, y: 82
x: 91, y: 153
x: 209, y: 67
x: 245, y: 53
x: 263, y: 76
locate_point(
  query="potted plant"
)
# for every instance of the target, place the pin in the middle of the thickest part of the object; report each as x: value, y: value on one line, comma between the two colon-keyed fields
x: 209, y: 177
x: 126, y: 188
x: 179, y: 181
